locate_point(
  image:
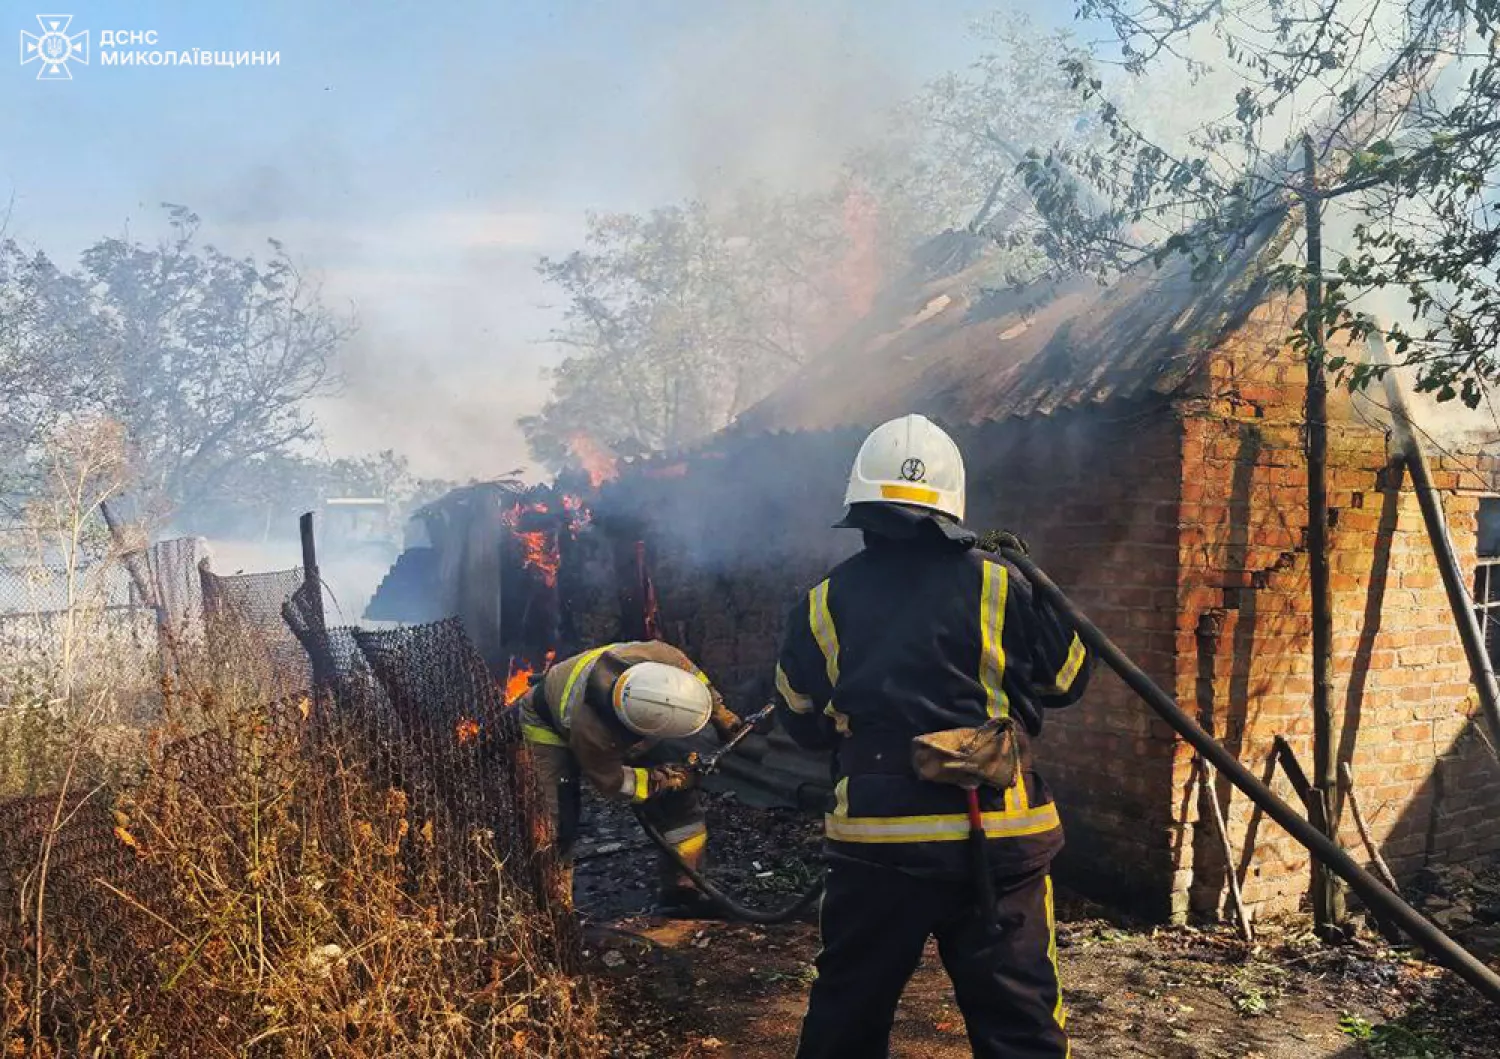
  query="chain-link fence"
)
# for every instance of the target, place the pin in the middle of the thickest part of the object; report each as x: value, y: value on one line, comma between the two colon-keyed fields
x: 431, y: 722
x: 243, y: 616
x: 96, y: 623
x: 393, y: 761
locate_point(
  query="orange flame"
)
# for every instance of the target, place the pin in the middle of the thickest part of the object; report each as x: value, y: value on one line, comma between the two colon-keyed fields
x: 517, y: 682
x: 519, y: 675
x: 468, y: 731
x: 538, y: 547
x: 539, y: 551
x: 598, y: 462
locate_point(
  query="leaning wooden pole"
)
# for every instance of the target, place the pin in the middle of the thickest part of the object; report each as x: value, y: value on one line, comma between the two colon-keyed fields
x: 1236, y: 897
x: 133, y: 559
x: 1328, y: 912
x: 1382, y: 869
x: 1481, y: 669
x: 1374, y: 893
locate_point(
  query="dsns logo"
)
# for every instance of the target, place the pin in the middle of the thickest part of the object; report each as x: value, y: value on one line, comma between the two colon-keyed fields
x: 53, y: 48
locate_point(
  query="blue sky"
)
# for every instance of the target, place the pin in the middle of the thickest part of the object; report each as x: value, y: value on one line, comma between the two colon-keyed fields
x: 418, y: 157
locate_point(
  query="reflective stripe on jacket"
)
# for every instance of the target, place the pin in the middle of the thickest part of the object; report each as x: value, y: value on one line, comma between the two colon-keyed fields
x: 915, y: 636
x: 575, y: 721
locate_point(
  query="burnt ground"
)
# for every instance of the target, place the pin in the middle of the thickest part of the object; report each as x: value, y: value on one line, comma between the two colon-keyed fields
x: 686, y: 989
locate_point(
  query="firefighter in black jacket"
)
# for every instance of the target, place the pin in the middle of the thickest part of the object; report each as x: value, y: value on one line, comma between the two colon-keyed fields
x: 921, y: 633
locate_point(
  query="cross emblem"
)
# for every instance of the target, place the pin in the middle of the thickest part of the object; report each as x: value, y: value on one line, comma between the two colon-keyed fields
x: 54, y: 48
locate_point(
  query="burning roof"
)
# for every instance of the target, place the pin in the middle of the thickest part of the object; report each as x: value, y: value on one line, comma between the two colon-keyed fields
x: 940, y: 344
x: 1060, y: 344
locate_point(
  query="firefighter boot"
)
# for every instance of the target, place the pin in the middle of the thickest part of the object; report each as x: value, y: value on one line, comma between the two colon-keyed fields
x: 677, y: 896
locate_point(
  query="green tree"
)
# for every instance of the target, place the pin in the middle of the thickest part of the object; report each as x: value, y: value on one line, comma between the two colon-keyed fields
x: 1405, y: 104
x: 206, y: 360
x: 676, y: 321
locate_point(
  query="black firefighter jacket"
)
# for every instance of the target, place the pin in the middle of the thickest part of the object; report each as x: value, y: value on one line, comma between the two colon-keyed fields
x: 921, y: 632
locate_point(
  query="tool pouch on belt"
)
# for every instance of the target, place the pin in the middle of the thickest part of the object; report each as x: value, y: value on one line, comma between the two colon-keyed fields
x: 987, y: 756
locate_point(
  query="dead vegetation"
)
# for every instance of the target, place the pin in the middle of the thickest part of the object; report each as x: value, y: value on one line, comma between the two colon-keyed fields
x: 193, y: 862
x: 258, y: 892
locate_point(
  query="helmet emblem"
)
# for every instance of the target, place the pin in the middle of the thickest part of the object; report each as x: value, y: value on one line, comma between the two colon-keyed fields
x: 914, y: 470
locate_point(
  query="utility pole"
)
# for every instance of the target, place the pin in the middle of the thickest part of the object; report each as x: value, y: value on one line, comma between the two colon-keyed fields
x: 1327, y: 897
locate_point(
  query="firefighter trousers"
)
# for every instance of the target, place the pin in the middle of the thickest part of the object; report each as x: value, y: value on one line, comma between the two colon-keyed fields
x: 875, y: 922
x: 678, y: 815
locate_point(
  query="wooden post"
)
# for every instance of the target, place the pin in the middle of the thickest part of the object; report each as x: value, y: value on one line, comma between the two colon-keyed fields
x: 1206, y: 775
x: 138, y: 567
x: 628, y: 588
x: 312, y: 582
x: 650, y: 615
x: 312, y: 592
x: 1327, y: 899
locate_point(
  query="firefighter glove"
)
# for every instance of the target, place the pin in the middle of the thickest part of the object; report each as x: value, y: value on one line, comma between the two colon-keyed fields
x: 728, y: 724
x: 674, y: 778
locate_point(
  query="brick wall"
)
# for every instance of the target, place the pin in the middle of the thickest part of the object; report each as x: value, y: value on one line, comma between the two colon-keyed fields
x: 1096, y: 495
x: 1180, y: 530
x: 1402, y: 695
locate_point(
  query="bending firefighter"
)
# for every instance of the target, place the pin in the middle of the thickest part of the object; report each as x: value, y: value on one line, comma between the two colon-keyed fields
x: 605, y: 715
x: 925, y: 665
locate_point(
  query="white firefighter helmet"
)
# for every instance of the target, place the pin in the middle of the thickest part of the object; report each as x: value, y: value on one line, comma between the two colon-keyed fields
x: 909, y: 461
x: 660, y: 701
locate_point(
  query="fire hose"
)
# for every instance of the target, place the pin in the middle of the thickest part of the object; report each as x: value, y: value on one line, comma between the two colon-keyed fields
x: 1381, y: 900
x: 720, y: 900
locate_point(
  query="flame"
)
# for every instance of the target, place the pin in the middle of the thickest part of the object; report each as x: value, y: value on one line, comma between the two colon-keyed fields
x: 467, y: 731
x: 517, y: 683
x: 539, y: 552
x: 579, y: 515
x: 598, y: 462
x: 519, y: 674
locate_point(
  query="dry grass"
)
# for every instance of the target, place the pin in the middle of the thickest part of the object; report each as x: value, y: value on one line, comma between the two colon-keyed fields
x: 185, y: 870
x: 257, y: 892
x: 238, y: 879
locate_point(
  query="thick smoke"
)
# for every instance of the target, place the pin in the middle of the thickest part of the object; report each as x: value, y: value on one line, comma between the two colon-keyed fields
x: 773, y: 92
x: 453, y: 319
